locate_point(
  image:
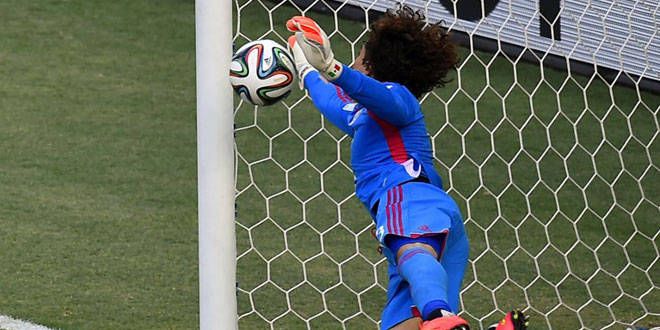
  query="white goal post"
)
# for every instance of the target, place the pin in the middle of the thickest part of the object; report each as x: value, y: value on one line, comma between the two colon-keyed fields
x: 215, y: 166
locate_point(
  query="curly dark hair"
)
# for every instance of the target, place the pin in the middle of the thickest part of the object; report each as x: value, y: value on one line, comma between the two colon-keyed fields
x: 402, y: 48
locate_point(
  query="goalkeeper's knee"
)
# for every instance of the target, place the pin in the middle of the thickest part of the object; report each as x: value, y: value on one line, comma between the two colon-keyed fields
x: 397, y: 245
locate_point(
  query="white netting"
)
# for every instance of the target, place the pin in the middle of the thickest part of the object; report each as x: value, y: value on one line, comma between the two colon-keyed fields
x: 556, y: 175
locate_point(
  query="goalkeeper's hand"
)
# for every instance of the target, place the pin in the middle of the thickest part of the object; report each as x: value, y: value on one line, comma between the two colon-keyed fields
x: 302, y: 65
x: 315, y: 45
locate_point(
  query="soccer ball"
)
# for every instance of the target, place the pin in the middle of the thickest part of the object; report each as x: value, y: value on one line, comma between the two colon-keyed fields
x: 262, y: 72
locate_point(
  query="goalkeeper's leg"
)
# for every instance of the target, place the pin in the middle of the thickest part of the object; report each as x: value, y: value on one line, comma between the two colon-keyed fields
x: 418, y: 264
x: 417, y: 225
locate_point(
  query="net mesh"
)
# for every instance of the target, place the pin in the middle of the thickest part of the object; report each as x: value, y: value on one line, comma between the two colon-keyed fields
x: 556, y: 175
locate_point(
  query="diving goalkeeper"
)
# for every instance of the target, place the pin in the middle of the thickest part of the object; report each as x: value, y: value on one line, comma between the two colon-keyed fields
x: 418, y: 225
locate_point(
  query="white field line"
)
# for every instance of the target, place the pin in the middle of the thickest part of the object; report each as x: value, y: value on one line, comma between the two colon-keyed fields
x: 8, y: 323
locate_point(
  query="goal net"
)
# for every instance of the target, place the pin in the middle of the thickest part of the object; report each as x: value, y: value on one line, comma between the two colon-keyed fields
x: 555, y: 171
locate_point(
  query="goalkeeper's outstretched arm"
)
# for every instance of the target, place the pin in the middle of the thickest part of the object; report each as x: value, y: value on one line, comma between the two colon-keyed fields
x: 386, y: 100
x: 390, y: 102
x: 329, y: 100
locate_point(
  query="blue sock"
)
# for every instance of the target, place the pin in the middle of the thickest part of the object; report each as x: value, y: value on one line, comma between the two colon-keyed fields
x: 427, y: 279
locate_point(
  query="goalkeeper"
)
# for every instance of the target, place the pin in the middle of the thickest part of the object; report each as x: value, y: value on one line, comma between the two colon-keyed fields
x: 418, y: 225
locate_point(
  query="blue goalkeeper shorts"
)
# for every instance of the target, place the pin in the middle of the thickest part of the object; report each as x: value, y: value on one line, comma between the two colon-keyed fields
x: 417, y: 209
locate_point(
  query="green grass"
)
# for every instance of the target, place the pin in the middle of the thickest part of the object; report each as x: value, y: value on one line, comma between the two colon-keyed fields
x: 97, y: 132
x: 98, y: 201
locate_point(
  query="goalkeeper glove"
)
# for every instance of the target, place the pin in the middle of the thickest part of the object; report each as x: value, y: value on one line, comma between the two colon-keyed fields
x: 315, y: 44
x: 302, y: 65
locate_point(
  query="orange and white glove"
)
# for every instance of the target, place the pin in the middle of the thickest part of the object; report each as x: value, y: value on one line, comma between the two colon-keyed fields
x: 315, y: 45
x: 302, y: 65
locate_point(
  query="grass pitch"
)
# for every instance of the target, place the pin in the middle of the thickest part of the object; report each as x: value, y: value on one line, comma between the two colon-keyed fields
x: 97, y: 169
x: 98, y: 201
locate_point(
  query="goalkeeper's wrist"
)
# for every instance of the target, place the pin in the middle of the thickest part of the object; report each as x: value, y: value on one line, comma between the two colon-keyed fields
x: 333, y: 71
x: 302, y: 73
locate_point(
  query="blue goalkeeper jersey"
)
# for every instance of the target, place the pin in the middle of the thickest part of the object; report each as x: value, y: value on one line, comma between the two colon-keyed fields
x: 390, y: 143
